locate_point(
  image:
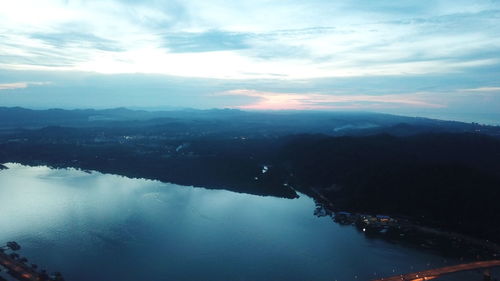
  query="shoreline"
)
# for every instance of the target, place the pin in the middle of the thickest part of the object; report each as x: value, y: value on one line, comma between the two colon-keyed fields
x: 415, y: 234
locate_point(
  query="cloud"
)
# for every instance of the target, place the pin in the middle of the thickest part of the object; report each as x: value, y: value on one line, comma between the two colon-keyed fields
x: 314, y: 101
x: 421, y: 95
x: 77, y: 39
x: 481, y: 89
x: 20, y: 85
x: 318, y: 54
x: 251, y: 39
x: 209, y: 41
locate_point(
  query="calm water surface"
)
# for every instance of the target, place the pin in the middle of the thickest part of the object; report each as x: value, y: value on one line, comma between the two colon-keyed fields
x: 93, y: 226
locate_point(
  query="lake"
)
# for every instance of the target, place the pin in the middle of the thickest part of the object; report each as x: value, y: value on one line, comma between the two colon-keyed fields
x: 93, y: 226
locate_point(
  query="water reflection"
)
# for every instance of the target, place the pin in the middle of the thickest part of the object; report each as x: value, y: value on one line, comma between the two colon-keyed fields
x: 93, y: 226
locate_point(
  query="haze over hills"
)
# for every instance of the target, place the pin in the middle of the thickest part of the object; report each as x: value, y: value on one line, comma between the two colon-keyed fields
x: 237, y: 121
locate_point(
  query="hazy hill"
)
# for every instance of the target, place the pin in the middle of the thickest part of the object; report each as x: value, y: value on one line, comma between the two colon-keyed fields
x: 236, y: 122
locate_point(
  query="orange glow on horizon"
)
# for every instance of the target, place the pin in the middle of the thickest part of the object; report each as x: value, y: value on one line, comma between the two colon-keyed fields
x: 313, y: 101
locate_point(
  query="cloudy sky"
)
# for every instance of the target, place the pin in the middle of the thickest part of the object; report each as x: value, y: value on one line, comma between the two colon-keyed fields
x: 436, y: 58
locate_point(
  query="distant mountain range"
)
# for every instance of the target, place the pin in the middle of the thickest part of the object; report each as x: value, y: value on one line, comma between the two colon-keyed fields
x: 234, y: 122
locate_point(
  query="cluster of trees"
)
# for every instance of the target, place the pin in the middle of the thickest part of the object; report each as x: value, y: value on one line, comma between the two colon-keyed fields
x: 450, y: 180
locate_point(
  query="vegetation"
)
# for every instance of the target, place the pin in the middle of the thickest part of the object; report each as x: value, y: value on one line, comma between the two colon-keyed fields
x: 441, y: 176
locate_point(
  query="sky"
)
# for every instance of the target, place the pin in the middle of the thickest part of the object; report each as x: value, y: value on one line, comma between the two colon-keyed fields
x: 432, y: 58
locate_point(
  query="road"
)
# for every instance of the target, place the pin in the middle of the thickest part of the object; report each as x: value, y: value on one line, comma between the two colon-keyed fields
x: 435, y: 273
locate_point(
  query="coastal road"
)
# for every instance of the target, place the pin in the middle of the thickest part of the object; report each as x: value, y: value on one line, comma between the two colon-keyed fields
x: 435, y: 273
